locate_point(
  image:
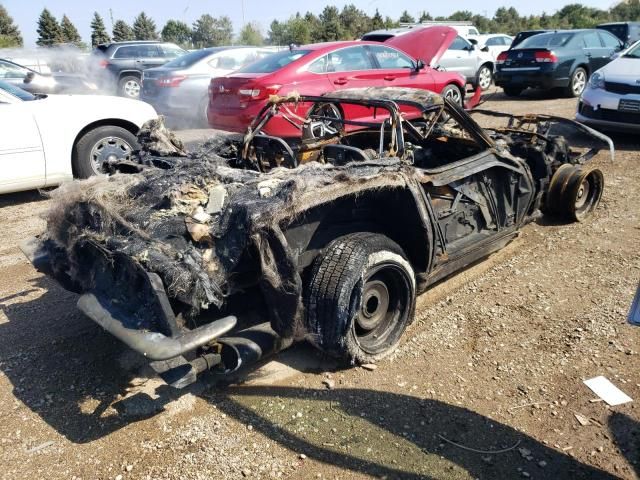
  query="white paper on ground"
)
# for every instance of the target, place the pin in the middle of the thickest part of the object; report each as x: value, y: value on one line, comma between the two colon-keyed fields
x: 607, y: 391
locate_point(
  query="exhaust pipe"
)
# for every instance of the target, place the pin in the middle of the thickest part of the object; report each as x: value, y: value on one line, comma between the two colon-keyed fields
x: 250, y: 346
x: 246, y: 347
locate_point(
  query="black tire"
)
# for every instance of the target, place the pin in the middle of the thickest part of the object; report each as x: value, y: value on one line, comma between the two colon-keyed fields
x: 512, y: 91
x: 130, y: 86
x: 453, y: 92
x: 574, y: 192
x: 108, y: 141
x: 360, y: 298
x: 484, y: 77
x: 577, y: 83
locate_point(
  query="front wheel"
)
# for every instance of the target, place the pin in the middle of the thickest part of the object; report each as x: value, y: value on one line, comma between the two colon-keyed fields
x: 453, y: 92
x: 360, y: 298
x: 484, y: 78
x: 99, y: 145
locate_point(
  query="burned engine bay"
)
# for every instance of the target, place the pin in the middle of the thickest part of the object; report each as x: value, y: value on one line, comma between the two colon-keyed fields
x: 167, y: 250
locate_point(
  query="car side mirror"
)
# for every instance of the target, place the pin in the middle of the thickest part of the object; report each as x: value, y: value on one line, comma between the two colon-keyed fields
x: 484, y: 49
x: 30, y: 76
x: 473, y: 41
x: 471, y: 48
x: 420, y: 65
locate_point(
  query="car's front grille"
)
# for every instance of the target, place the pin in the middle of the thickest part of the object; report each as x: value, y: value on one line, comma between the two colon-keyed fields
x: 621, y: 88
x: 610, y: 115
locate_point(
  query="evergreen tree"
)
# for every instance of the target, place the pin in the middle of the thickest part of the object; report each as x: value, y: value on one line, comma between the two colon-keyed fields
x: 98, y: 31
x: 211, y: 32
x: 354, y: 22
x: 425, y: 17
x: 69, y: 31
x: 330, y: 28
x: 406, y: 17
x: 9, y: 32
x: 224, y: 31
x: 177, y: 32
x: 250, y: 35
x: 122, y: 32
x: 204, y: 31
x: 49, y: 31
x: 144, y: 28
x: 377, y: 22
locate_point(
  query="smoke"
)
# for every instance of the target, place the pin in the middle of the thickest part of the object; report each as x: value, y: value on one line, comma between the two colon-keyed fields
x: 66, y: 69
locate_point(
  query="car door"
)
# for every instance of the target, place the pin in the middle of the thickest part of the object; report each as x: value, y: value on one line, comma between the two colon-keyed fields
x: 149, y: 56
x: 477, y: 199
x: 351, y: 67
x: 460, y: 57
x: 594, y: 50
x: 396, y: 69
x: 22, y: 160
x: 612, y: 45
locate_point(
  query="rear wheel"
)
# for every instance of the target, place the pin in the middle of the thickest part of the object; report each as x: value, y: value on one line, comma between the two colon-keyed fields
x: 100, y: 145
x: 484, y: 78
x: 574, y: 192
x: 130, y: 87
x: 360, y: 298
x: 577, y: 83
x: 512, y: 91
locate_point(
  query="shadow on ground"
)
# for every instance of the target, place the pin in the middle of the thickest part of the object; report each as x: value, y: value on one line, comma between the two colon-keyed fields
x: 394, y: 435
x: 76, y: 382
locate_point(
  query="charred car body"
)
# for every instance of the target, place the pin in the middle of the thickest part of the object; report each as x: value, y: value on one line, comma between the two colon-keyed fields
x: 329, y: 236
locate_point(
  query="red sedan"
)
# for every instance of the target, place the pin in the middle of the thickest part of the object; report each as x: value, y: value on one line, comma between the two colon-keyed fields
x: 235, y: 100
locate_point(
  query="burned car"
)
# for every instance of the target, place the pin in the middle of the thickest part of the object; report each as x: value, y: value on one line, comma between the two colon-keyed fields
x: 214, y: 259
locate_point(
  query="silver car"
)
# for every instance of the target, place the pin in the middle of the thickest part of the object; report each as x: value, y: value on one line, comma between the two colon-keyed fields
x: 611, y: 100
x: 180, y: 88
x: 462, y: 56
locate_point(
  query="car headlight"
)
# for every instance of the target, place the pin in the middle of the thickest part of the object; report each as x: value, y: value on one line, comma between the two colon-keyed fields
x: 596, y: 80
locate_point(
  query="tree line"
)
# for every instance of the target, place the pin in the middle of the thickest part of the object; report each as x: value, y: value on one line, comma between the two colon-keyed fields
x: 331, y: 24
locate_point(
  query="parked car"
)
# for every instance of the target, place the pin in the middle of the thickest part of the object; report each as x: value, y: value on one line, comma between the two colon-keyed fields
x: 335, y: 255
x: 628, y: 32
x: 180, y: 87
x: 35, y: 82
x: 464, y: 28
x: 119, y: 65
x: 319, y: 68
x: 476, y: 64
x: 611, y: 100
x: 561, y: 59
x: 521, y: 36
x: 38, y: 149
x: 496, y: 43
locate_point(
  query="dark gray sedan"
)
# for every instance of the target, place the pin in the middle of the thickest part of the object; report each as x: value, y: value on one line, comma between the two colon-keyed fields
x: 180, y: 89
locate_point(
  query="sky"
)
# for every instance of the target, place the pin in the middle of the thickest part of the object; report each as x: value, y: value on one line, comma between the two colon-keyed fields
x: 25, y: 12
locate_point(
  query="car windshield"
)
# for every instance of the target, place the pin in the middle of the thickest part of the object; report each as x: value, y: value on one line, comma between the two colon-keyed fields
x: 274, y: 62
x: 544, y: 40
x: 16, y: 91
x: 633, y: 52
x: 191, y: 58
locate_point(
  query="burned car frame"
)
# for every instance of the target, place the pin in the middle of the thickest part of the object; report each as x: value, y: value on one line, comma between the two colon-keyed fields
x: 328, y: 237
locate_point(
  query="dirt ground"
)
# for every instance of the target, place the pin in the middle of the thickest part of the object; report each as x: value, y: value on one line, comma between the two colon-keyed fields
x: 486, y: 384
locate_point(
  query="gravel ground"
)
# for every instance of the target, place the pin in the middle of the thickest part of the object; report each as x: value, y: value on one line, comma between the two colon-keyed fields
x: 487, y: 383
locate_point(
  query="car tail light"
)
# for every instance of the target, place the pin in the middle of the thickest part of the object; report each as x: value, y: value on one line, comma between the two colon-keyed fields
x: 545, y: 57
x: 170, y: 81
x: 103, y: 63
x: 502, y: 57
x: 258, y: 92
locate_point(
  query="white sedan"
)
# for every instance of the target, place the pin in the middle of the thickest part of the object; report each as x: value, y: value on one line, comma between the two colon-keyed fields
x: 46, y: 140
